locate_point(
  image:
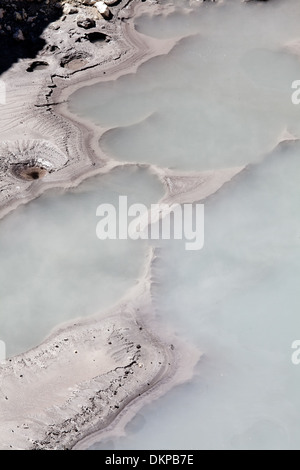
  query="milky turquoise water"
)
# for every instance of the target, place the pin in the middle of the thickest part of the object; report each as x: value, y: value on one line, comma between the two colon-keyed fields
x: 53, y: 266
x: 221, y: 98
x: 238, y: 300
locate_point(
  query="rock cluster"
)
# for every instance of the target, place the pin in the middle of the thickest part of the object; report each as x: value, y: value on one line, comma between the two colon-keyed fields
x: 19, y: 19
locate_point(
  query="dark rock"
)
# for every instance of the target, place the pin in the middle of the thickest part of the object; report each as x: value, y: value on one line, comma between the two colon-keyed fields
x: 86, y: 23
x: 18, y: 35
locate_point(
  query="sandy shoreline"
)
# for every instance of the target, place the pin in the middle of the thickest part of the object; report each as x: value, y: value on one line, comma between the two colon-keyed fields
x: 83, y: 378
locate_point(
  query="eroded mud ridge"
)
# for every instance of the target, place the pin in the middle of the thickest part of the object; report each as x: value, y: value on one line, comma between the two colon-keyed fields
x: 117, y: 353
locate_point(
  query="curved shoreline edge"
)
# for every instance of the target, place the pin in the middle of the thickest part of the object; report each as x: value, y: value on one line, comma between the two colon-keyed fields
x: 90, y: 376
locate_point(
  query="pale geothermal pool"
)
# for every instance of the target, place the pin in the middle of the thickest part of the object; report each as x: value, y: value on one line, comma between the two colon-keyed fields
x: 238, y: 300
x: 53, y: 266
x: 221, y: 98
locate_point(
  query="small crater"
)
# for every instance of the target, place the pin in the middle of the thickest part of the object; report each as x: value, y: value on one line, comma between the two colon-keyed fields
x: 37, y: 65
x: 74, y: 61
x: 97, y: 37
x: 29, y: 171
